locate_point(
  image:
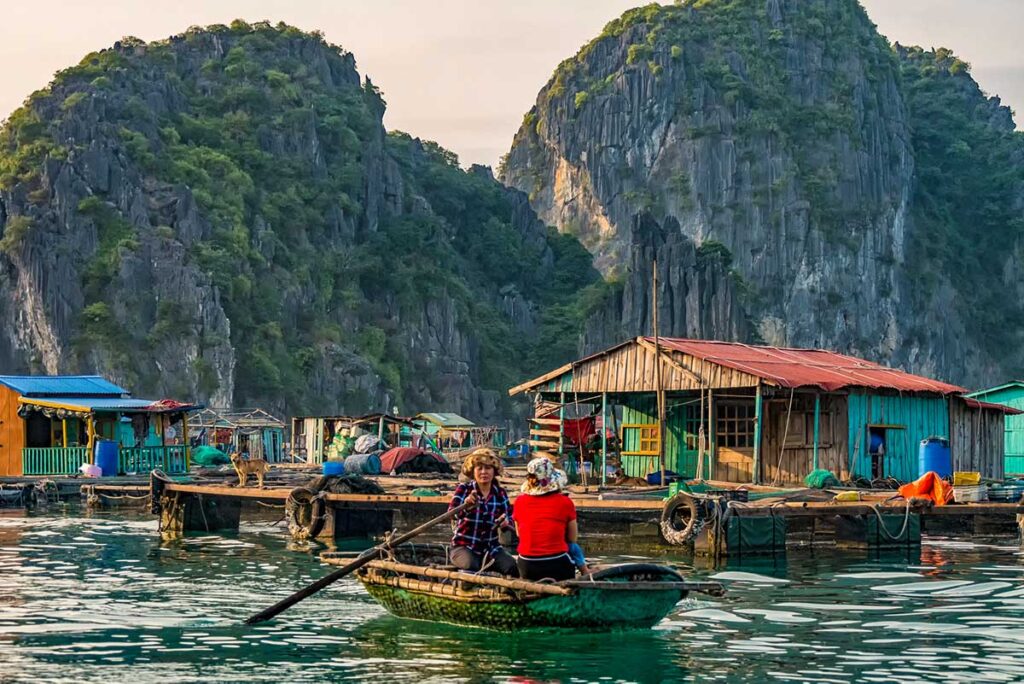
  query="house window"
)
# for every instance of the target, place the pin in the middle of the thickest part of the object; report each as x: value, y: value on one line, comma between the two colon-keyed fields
x: 640, y: 440
x: 735, y: 428
x: 825, y: 437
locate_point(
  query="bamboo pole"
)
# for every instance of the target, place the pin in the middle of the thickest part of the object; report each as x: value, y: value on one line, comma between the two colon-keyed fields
x: 758, y: 400
x: 64, y: 429
x: 561, y: 425
x: 516, y: 584
x: 657, y: 374
x: 817, y: 422
x: 604, y: 438
x: 184, y: 439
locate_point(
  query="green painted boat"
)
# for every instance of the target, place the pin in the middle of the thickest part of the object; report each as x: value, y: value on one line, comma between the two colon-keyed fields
x: 416, y: 581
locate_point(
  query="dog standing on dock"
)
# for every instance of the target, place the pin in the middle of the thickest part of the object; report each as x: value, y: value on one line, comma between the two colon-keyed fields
x: 244, y: 466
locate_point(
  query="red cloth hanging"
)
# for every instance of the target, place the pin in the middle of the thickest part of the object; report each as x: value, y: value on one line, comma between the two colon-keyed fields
x: 578, y: 431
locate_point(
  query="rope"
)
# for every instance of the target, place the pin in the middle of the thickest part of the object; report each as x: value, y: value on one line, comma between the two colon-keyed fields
x: 885, y: 531
x: 202, y: 509
x: 785, y: 437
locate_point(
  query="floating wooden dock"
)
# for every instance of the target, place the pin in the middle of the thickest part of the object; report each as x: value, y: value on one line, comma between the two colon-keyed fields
x: 765, y: 526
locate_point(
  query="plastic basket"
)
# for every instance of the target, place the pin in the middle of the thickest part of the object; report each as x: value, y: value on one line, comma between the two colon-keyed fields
x: 961, y: 479
x: 970, y: 493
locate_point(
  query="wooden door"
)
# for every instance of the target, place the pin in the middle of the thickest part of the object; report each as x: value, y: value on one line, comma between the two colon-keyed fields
x: 734, y: 439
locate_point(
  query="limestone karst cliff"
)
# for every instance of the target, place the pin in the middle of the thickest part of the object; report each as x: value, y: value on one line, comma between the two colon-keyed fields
x: 222, y: 216
x: 857, y: 190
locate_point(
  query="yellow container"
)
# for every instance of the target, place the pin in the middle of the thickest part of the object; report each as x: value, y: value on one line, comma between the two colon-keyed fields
x: 847, y: 496
x: 964, y: 479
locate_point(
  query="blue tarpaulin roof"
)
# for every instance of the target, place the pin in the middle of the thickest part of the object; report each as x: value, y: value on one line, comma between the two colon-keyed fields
x: 108, y: 404
x: 62, y: 386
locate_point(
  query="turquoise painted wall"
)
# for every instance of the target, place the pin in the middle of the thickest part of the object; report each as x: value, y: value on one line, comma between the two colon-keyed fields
x: 921, y: 417
x: 1010, y: 395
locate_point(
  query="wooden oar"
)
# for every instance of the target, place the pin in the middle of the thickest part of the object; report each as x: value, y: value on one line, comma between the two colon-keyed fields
x: 359, y: 562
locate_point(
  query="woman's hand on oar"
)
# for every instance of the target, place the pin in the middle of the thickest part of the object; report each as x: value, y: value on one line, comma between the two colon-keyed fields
x: 359, y: 562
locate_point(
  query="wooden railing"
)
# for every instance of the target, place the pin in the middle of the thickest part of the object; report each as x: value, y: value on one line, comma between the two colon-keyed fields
x: 54, y: 460
x: 141, y: 460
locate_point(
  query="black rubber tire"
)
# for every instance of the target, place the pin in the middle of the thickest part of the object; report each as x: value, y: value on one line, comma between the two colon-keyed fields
x: 669, y: 532
x: 304, y: 511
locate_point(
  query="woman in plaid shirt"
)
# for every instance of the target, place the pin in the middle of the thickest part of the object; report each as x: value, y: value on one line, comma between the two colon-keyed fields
x: 475, y: 542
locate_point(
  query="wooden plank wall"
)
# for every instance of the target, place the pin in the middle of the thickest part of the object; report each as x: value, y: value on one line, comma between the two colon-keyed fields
x: 631, y: 369
x: 798, y: 459
x: 12, y: 433
x: 918, y: 417
x: 977, y: 439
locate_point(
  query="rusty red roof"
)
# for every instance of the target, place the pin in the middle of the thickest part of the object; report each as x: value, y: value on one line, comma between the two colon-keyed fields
x: 805, y: 367
x: 1008, y: 410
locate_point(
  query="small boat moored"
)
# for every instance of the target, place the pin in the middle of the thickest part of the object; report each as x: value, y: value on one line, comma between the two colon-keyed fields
x: 416, y: 581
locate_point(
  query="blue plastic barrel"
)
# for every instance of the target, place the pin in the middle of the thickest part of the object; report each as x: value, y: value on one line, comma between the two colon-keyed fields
x: 363, y: 464
x: 334, y: 467
x: 106, y: 457
x: 935, y: 455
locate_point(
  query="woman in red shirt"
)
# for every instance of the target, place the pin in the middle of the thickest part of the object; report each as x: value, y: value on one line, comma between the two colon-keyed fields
x: 546, y: 524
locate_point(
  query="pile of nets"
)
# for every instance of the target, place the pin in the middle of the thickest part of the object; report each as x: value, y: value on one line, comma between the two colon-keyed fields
x: 208, y: 456
x: 821, y: 479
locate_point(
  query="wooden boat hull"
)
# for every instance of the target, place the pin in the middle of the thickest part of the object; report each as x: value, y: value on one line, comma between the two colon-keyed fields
x: 594, y: 609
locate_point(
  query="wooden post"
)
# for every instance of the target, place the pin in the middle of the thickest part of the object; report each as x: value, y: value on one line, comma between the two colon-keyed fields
x: 380, y: 429
x: 604, y: 437
x: 657, y: 374
x: 757, y: 436
x: 184, y: 439
x: 561, y: 425
x: 90, y: 429
x: 64, y: 429
x: 711, y: 435
x: 817, y: 422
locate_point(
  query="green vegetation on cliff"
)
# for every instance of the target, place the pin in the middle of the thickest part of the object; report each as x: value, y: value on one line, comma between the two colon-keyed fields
x: 970, y: 182
x: 317, y: 229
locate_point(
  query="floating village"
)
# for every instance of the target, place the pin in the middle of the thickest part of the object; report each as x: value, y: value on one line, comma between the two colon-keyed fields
x: 732, y: 449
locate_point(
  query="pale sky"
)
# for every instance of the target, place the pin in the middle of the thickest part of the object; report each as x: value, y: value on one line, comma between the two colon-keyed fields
x: 461, y: 72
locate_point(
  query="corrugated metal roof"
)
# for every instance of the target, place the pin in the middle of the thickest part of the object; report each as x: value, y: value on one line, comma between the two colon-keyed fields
x: 826, y: 370
x: 997, y: 388
x: 62, y: 385
x: 447, y: 419
x: 1008, y: 410
x: 106, y: 404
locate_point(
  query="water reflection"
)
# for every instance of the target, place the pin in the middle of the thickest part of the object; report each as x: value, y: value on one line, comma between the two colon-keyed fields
x: 101, y: 598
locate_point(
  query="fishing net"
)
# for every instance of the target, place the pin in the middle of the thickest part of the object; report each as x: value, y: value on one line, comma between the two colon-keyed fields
x: 208, y: 456
x: 821, y: 479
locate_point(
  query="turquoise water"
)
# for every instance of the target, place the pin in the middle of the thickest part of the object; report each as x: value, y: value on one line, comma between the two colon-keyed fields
x: 102, y: 599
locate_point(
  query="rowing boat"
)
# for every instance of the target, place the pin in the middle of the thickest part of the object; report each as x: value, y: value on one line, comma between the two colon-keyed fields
x: 417, y: 581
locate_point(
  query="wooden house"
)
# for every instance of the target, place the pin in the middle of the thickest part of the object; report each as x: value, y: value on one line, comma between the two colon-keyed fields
x: 49, y: 426
x: 250, y: 431
x: 452, y: 431
x: 1009, y: 394
x: 743, y: 413
x: 312, y: 436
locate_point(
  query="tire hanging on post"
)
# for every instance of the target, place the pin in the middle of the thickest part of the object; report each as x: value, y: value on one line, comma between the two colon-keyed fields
x: 669, y: 527
x: 304, y: 510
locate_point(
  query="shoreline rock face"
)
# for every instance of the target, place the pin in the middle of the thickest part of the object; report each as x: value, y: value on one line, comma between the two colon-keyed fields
x: 221, y: 216
x: 785, y: 137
